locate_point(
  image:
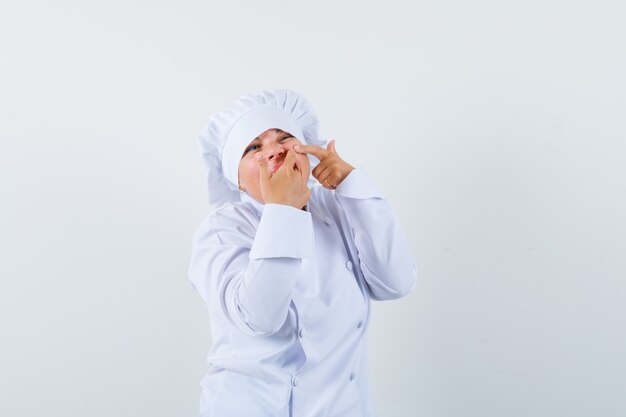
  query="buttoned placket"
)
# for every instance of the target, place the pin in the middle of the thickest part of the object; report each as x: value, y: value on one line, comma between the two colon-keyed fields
x: 300, y: 332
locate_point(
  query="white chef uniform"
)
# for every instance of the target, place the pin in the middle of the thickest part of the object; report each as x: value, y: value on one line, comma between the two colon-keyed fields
x: 289, y: 293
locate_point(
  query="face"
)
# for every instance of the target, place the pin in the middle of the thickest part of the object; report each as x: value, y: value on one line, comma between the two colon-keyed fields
x: 273, y: 145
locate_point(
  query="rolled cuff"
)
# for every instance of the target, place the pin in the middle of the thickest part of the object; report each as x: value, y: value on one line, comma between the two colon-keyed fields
x: 283, y: 232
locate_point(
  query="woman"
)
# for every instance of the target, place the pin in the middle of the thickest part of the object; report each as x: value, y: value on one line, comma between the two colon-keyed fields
x: 287, y: 264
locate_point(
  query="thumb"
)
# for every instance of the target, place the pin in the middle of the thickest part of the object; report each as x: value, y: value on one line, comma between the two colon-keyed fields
x: 331, y: 145
x: 264, y: 173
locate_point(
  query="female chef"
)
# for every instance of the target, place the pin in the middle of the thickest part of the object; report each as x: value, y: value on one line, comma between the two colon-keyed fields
x: 287, y: 264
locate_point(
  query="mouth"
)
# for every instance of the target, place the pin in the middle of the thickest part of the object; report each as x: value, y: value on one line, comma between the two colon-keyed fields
x: 279, y: 164
x: 276, y: 167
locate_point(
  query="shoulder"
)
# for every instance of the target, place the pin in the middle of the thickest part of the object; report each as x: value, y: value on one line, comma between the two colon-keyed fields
x: 233, y: 217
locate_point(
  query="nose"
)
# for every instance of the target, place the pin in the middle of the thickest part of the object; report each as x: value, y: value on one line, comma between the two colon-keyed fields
x: 275, y: 150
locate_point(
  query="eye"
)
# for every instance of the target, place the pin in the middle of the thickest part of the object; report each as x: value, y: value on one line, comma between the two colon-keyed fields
x: 254, y: 147
x: 251, y: 148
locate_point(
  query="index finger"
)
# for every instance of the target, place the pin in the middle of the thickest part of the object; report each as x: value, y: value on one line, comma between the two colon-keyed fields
x: 315, y: 150
x: 289, y: 160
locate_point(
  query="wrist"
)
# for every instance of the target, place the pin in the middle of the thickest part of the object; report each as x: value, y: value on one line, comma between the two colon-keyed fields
x: 350, y: 169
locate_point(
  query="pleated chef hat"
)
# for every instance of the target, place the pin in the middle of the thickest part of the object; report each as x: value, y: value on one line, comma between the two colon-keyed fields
x: 228, y: 132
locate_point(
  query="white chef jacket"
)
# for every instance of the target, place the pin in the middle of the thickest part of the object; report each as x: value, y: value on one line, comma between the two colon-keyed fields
x: 288, y: 292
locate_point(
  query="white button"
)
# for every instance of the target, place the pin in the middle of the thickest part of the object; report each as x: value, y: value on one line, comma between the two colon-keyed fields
x: 352, y: 376
x: 300, y: 332
x: 349, y: 265
x: 360, y: 325
x: 327, y: 221
x: 294, y: 381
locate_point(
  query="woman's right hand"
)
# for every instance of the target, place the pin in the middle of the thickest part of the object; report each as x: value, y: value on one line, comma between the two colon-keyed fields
x: 288, y: 185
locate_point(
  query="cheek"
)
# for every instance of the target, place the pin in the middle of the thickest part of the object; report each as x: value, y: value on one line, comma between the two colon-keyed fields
x: 248, y: 170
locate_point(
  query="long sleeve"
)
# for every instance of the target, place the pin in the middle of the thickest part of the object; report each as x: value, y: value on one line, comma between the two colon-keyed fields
x: 248, y: 274
x: 384, y: 254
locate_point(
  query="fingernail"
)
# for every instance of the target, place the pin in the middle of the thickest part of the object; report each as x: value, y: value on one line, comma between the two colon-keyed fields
x: 297, y: 147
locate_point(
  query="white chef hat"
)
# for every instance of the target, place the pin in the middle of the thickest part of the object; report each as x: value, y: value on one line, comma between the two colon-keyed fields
x: 228, y: 132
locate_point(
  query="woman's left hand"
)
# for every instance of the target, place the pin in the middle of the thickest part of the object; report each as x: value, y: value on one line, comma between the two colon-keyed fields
x: 331, y: 170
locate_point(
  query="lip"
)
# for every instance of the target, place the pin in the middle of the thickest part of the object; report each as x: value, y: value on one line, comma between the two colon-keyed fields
x: 275, y: 167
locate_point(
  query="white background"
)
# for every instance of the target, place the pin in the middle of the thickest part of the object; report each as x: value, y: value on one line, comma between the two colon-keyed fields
x: 495, y: 129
